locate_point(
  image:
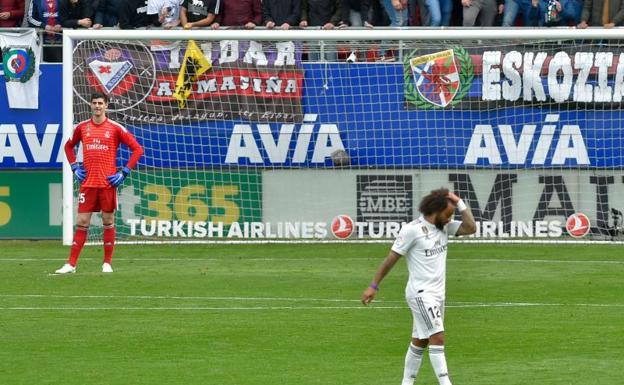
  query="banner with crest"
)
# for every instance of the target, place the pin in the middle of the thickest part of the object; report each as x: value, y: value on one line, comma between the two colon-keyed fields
x: 247, y: 80
x: 21, y: 54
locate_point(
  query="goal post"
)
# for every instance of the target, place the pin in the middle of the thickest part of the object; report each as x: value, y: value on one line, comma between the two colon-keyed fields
x: 303, y: 135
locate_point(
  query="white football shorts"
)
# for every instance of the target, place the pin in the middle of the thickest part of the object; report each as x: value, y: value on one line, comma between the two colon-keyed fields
x: 428, y: 313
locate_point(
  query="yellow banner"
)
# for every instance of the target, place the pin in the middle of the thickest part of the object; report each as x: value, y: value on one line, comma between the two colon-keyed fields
x: 193, y: 66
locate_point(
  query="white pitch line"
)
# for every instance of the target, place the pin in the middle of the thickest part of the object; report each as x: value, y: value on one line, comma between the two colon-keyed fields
x: 283, y: 299
x: 521, y: 304
x: 236, y: 259
x: 458, y: 304
x: 256, y: 308
x: 200, y: 308
x: 124, y: 259
x: 535, y: 261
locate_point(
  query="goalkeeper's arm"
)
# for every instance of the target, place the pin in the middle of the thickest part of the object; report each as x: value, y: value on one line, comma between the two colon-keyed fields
x: 137, y: 151
x: 71, y: 144
x: 77, y: 168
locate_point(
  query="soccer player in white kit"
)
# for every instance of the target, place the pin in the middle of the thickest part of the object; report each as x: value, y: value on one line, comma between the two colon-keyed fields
x: 423, y: 243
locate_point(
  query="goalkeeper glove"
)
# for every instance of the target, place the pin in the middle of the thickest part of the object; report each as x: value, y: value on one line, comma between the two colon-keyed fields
x: 118, y: 178
x: 79, y: 171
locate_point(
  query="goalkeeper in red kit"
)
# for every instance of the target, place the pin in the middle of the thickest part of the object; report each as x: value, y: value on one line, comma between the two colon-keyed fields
x: 98, y: 177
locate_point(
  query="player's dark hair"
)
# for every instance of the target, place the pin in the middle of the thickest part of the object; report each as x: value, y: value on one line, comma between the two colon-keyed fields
x: 99, y: 95
x: 435, y: 202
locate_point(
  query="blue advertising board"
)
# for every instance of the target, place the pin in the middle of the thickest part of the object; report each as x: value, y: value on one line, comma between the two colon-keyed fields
x: 359, y: 108
x: 32, y: 138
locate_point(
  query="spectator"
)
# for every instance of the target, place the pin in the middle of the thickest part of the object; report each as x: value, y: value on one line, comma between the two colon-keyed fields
x: 45, y: 14
x: 239, y: 13
x: 133, y: 15
x: 602, y: 13
x: 378, y: 18
x: 11, y: 13
x: 532, y: 12
x: 377, y: 15
x: 106, y: 13
x: 320, y: 13
x: 397, y: 11
x: 436, y: 12
x: 570, y: 11
x: 485, y: 10
x: 168, y: 12
x: 552, y: 14
x: 414, y: 11
x: 356, y: 13
x: 198, y: 13
x: 324, y: 14
x: 75, y: 13
x: 281, y: 13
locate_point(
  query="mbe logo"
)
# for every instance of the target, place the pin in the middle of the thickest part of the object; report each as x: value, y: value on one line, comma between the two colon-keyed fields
x: 384, y: 198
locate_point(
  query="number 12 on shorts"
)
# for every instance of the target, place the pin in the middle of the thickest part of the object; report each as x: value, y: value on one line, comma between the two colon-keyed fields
x: 434, y: 311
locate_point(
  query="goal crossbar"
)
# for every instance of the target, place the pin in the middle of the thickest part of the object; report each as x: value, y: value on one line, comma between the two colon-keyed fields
x: 408, y: 34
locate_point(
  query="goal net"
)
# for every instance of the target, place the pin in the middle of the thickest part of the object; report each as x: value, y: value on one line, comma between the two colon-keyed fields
x: 304, y: 135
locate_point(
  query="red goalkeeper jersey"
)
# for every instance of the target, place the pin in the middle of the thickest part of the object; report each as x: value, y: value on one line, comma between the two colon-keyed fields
x: 99, y: 149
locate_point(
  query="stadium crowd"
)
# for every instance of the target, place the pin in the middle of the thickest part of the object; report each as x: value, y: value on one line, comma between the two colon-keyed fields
x: 55, y: 15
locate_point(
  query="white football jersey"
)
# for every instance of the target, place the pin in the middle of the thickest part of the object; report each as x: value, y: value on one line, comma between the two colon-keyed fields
x: 172, y: 7
x: 424, y: 248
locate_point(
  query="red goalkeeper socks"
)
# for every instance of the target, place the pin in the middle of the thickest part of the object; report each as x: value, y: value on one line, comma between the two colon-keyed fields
x: 109, y: 243
x: 80, y: 237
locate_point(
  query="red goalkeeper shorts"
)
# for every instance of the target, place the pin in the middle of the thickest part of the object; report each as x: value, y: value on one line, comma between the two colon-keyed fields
x: 93, y: 200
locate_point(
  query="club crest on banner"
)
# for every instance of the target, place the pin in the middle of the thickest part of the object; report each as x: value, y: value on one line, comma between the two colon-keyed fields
x: 110, y: 74
x: 18, y: 63
x: 256, y: 81
x: 436, y: 80
x: 126, y: 73
x: 436, y: 77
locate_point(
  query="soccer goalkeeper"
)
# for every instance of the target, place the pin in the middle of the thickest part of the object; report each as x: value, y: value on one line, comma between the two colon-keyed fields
x: 99, y: 177
x: 423, y: 243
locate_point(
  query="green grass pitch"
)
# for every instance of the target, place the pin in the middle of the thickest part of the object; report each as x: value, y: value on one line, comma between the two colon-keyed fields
x: 290, y: 314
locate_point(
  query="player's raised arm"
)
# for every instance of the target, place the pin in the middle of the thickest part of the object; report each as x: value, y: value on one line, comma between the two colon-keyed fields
x: 468, y: 225
x: 369, y: 294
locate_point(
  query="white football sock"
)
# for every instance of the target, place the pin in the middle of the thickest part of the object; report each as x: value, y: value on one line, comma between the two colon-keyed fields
x: 413, y: 359
x: 438, y: 361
